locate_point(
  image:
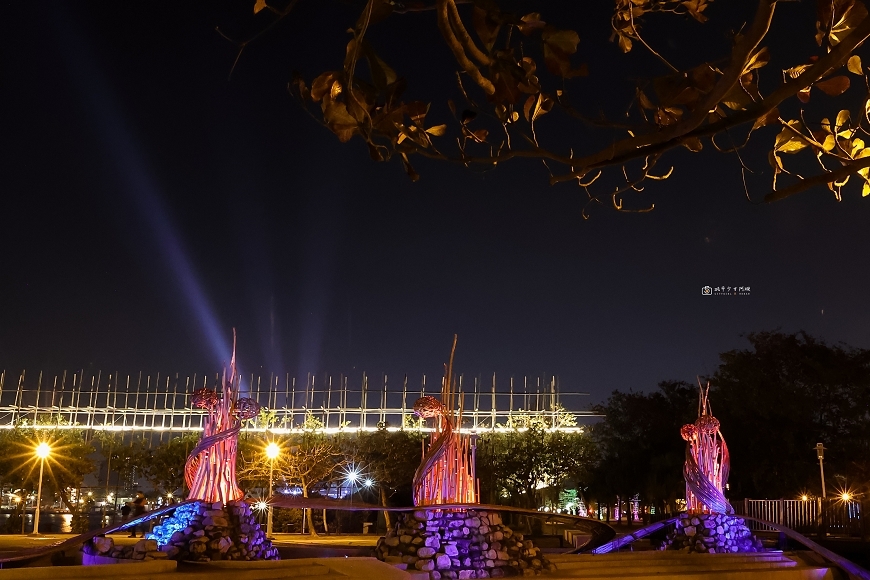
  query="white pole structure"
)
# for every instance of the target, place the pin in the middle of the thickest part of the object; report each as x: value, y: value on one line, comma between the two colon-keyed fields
x: 272, y: 452
x: 42, y: 451
x: 820, y: 450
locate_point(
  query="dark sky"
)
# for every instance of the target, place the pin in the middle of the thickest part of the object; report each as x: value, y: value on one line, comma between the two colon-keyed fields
x: 150, y: 205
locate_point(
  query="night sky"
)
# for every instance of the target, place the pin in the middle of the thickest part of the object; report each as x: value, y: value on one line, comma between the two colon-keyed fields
x: 150, y: 205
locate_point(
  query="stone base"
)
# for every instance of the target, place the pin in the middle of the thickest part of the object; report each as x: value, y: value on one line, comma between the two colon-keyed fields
x: 102, y: 550
x: 203, y: 532
x: 460, y: 544
x: 712, y: 534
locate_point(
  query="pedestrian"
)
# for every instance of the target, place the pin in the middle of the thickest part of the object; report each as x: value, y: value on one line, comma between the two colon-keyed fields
x: 138, y: 506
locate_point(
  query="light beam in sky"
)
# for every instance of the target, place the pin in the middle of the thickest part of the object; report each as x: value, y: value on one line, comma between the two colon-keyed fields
x: 137, y: 182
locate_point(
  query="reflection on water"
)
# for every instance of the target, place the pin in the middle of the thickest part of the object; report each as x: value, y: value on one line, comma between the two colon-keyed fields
x: 51, y: 523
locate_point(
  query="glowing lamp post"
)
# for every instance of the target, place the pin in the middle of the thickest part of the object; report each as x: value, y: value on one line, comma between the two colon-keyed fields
x: 272, y: 452
x: 43, y: 450
x: 820, y: 450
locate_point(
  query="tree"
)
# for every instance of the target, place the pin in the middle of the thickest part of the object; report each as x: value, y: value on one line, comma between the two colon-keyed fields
x: 785, y: 394
x: 640, y: 446
x: 311, y: 461
x: 529, y: 458
x: 513, y: 69
x: 65, y: 467
x: 163, y: 466
x: 390, y: 458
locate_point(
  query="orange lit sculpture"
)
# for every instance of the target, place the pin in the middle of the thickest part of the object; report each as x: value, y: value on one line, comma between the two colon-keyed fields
x: 446, y: 474
x: 210, y: 471
x: 707, y: 462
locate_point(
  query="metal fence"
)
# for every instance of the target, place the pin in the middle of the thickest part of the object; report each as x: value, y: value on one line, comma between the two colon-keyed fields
x: 811, y: 516
x: 161, y: 403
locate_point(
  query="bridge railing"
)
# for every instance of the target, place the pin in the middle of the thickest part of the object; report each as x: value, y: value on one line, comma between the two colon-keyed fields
x: 162, y: 403
x: 833, y: 516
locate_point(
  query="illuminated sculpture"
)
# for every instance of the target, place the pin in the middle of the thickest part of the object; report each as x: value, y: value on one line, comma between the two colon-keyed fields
x: 450, y: 535
x: 707, y: 462
x: 446, y: 474
x: 210, y: 471
x: 709, y: 524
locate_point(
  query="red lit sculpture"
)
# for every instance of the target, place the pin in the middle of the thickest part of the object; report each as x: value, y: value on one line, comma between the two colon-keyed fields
x: 210, y: 471
x: 446, y: 474
x: 707, y: 462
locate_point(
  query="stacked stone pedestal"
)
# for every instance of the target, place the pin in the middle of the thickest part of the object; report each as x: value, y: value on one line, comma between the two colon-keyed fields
x: 203, y: 532
x: 712, y: 534
x: 104, y: 547
x: 460, y: 544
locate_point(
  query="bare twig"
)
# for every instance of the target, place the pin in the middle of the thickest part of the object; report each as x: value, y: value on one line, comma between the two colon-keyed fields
x: 648, y: 47
x: 281, y: 14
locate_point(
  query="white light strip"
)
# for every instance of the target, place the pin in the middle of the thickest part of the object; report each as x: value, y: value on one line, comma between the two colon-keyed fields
x: 285, y: 431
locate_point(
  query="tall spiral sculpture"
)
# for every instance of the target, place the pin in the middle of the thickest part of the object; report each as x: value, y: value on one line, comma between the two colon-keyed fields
x: 707, y: 461
x: 446, y: 474
x: 210, y: 470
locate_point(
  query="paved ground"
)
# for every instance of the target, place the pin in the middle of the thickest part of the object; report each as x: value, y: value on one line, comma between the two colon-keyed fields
x: 16, y: 542
x: 356, y: 540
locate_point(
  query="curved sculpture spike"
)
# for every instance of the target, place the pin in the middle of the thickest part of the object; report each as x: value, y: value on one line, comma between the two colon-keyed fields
x: 436, y: 452
x: 446, y: 473
x: 707, y: 461
x: 701, y: 487
x: 210, y: 469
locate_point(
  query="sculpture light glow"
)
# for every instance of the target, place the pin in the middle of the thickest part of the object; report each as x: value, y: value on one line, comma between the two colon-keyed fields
x: 210, y: 471
x: 447, y: 472
x: 707, y: 462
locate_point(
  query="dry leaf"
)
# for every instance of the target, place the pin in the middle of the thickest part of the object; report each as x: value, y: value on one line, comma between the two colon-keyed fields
x: 833, y: 86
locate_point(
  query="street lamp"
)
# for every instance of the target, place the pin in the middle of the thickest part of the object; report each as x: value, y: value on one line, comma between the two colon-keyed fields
x: 820, y: 450
x: 272, y: 452
x: 42, y: 451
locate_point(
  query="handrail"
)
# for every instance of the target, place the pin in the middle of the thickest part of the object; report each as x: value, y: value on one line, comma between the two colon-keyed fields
x: 628, y: 538
x: 843, y: 563
x: 838, y: 560
x: 599, y: 531
x: 82, y: 538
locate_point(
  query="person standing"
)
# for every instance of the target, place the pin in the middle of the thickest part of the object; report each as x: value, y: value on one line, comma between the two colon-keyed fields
x: 138, y: 506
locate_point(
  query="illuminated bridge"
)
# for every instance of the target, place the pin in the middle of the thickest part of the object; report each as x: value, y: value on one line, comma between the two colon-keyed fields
x: 161, y: 403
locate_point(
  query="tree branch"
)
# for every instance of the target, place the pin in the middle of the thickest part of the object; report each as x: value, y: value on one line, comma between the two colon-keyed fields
x: 403, y: 9
x: 464, y: 37
x: 821, y: 179
x: 835, y: 59
x: 831, y: 61
x: 535, y: 153
x: 631, y: 147
x: 458, y: 52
